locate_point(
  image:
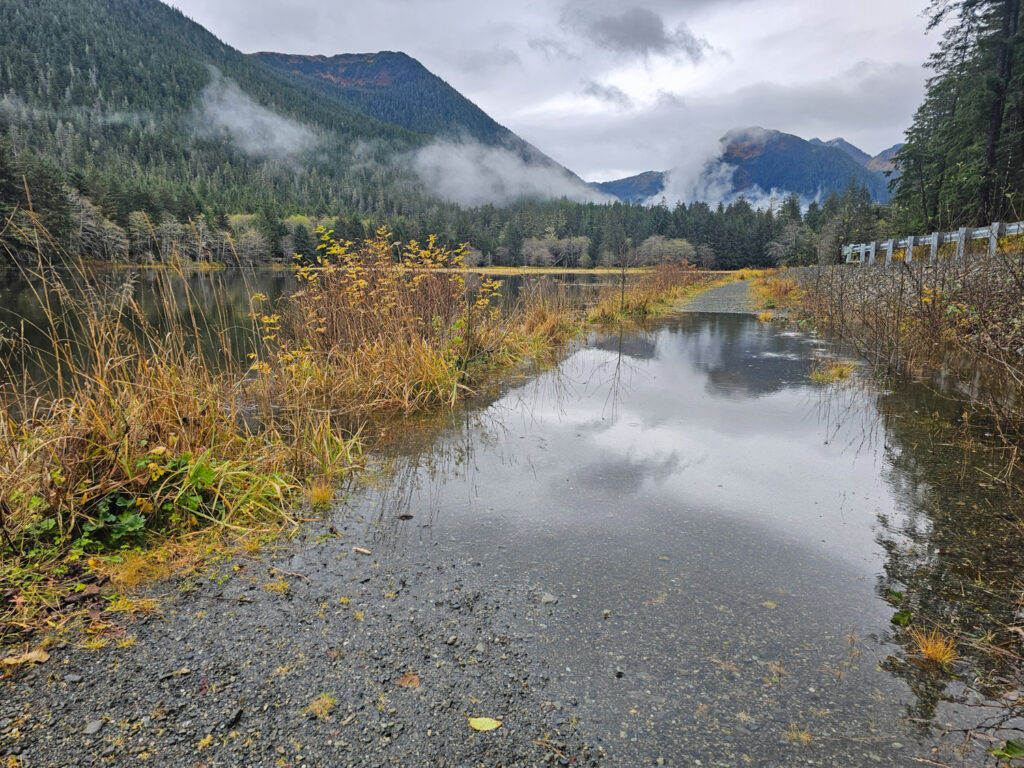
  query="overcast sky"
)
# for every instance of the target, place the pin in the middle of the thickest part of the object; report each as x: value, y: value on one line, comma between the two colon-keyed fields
x: 609, y: 88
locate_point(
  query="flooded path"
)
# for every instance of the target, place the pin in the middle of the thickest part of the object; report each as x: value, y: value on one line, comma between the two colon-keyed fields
x: 671, y: 548
x: 719, y: 535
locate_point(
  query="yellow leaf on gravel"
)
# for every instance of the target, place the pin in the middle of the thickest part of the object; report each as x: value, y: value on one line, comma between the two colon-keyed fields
x: 484, y: 723
x: 38, y: 656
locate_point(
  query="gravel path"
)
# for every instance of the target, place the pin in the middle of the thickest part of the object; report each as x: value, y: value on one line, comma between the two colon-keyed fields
x: 731, y: 297
x: 225, y: 672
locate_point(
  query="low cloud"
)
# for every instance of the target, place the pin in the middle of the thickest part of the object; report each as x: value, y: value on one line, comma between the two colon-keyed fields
x: 225, y: 111
x: 471, y: 174
x: 635, y: 31
x: 699, y: 174
x: 609, y: 94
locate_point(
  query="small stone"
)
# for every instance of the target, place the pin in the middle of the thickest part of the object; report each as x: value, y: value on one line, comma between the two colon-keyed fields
x: 660, y: 761
x: 548, y: 599
x: 453, y: 640
x: 606, y: 614
x: 93, y: 727
x: 480, y: 648
x: 72, y: 678
x: 619, y: 672
x: 897, y: 745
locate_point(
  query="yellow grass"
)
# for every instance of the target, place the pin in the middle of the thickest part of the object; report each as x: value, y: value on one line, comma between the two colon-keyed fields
x: 934, y: 646
x: 796, y: 735
x: 322, y: 705
x: 134, y: 455
x: 830, y: 371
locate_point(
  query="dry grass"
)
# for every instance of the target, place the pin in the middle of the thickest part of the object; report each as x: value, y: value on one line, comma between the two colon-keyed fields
x: 322, y: 706
x: 653, y: 291
x: 963, y: 317
x: 831, y: 371
x: 126, y: 435
x: 794, y: 734
x: 380, y: 326
x: 133, y: 453
x: 320, y: 495
x: 933, y: 646
x: 774, y: 289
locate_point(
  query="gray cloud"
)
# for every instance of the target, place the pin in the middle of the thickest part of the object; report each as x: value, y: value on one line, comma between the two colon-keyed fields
x: 552, y: 49
x: 634, y: 31
x: 608, y: 93
x: 787, y: 66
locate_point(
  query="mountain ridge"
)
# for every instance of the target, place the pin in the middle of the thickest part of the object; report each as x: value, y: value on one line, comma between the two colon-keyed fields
x: 396, y: 88
x: 758, y: 162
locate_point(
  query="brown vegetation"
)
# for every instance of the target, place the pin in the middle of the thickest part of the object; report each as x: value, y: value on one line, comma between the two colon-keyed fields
x: 963, y: 319
x: 132, y: 438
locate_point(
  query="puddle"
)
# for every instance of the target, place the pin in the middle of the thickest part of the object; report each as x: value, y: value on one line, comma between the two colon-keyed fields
x: 728, y: 544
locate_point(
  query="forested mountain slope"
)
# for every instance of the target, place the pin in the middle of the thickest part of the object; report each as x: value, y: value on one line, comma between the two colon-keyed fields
x: 396, y: 88
x: 146, y: 110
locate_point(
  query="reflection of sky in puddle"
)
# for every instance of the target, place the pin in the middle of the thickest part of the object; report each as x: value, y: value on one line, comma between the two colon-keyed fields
x: 685, y: 479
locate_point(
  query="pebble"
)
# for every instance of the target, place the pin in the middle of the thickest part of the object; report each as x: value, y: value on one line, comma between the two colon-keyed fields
x: 548, y: 599
x: 72, y: 678
x: 453, y: 640
x: 93, y: 727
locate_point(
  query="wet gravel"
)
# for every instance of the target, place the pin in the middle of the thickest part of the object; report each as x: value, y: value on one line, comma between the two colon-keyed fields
x: 731, y: 297
x: 225, y: 672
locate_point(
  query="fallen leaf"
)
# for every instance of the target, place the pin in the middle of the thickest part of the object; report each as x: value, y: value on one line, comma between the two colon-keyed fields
x: 37, y: 656
x: 484, y: 723
x: 409, y: 680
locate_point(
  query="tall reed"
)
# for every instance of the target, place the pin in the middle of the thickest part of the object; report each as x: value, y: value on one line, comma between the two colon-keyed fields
x: 134, y: 429
x: 960, y: 322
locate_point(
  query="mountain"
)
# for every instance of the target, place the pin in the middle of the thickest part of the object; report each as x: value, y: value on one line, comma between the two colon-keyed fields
x: 755, y: 162
x: 884, y: 161
x: 397, y: 89
x: 145, y: 110
x: 772, y: 160
x: 140, y: 109
x: 859, y: 156
x: 634, y: 189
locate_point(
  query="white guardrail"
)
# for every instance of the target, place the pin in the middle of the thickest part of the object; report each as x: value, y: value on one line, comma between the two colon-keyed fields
x: 869, y: 253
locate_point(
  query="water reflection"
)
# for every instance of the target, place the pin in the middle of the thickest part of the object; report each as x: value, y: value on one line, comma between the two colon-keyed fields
x: 953, y: 559
x: 735, y: 521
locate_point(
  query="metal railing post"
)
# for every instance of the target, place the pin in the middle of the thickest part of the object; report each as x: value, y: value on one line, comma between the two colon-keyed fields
x: 996, y: 231
x: 936, y: 242
x: 961, y: 242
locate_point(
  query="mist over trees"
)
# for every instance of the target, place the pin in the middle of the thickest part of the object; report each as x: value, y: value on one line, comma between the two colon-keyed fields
x: 115, y: 167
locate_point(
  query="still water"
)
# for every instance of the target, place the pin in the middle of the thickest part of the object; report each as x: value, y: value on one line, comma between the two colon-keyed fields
x: 215, y: 304
x: 728, y: 545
